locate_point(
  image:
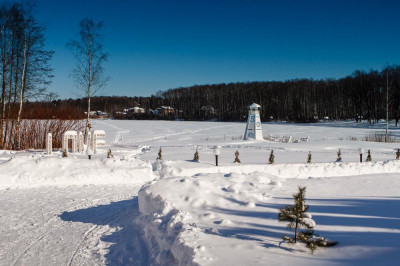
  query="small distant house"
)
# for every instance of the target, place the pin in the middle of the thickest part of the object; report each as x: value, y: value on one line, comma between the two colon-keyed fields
x: 135, y: 110
x: 167, y: 110
x: 96, y: 113
x: 100, y: 113
x: 207, y: 111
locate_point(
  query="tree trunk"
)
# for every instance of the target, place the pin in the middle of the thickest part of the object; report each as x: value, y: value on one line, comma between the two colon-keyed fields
x: 3, y: 100
x: 22, y: 91
x: 88, y: 94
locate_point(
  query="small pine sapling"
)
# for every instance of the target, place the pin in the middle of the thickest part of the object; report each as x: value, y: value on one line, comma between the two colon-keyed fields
x: 109, y: 154
x: 369, y: 158
x: 271, y: 157
x: 196, y: 156
x: 398, y: 154
x: 159, y: 157
x: 237, y: 160
x: 296, y: 215
x: 339, y: 156
x: 309, y: 158
x: 65, y: 153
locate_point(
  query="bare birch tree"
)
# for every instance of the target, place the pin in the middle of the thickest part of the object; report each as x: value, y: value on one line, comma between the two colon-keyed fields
x: 88, y: 51
x: 25, y: 69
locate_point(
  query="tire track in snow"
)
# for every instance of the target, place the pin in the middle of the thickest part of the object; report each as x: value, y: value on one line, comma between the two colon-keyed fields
x: 89, y: 233
x: 119, y: 134
x: 182, y: 132
x: 120, y: 218
x: 55, y: 224
x: 80, y: 243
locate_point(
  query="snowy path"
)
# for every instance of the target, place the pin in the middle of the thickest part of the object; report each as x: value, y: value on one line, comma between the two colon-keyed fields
x: 90, y: 225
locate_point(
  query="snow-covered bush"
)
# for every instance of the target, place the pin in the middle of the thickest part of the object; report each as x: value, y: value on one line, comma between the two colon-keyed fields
x: 339, y: 156
x: 313, y: 240
x: 309, y: 158
x: 64, y: 153
x: 369, y: 158
x: 196, y: 156
x: 109, y: 154
x: 271, y: 157
x: 159, y: 155
x: 237, y: 160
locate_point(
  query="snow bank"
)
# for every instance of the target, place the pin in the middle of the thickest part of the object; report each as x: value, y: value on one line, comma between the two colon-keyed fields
x: 163, y: 226
x: 174, y: 216
x: 228, y: 215
x: 41, y: 170
x: 167, y: 169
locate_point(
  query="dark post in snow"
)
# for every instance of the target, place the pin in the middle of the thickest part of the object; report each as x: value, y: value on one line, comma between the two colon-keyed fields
x: 89, y: 153
x: 361, y: 151
x: 216, y: 153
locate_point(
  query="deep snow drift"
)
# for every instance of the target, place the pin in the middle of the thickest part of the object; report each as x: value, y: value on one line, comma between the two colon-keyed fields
x: 231, y: 218
x: 197, y: 213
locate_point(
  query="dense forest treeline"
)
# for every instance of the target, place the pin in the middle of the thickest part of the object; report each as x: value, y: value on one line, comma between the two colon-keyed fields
x: 300, y: 100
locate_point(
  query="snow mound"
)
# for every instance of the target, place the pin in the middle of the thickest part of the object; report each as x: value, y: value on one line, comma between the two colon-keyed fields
x: 284, y: 171
x: 173, y: 216
x: 201, y: 219
x: 40, y: 170
x: 164, y: 229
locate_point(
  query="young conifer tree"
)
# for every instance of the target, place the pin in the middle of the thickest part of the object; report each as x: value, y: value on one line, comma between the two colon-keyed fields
x: 296, y: 215
x: 369, y: 158
x: 339, y: 156
x: 159, y: 157
x: 237, y: 160
x: 271, y: 157
x: 309, y: 158
x: 196, y: 156
x: 65, y: 153
x: 109, y: 154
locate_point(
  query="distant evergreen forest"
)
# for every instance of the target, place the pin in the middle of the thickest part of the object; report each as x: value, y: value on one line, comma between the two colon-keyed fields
x: 299, y: 100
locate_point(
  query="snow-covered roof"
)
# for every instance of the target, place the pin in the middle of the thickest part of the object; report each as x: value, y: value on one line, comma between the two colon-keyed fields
x: 254, y: 106
x: 70, y: 133
x: 99, y: 132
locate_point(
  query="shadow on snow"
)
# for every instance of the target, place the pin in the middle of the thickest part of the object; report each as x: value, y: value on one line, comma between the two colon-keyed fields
x: 126, y: 246
x: 371, y: 222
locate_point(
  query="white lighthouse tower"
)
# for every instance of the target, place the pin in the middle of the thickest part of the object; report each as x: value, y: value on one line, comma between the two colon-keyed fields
x: 253, y: 127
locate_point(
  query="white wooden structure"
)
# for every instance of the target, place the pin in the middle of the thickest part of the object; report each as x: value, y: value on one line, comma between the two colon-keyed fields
x: 96, y: 141
x: 88, y: 139
x: 70, y: 135
x: 253, y: 127
x: 49, y: 143
x: 81, y: 147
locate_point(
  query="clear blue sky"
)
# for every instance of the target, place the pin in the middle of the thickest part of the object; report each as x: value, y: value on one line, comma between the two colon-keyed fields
x: 158, y: 45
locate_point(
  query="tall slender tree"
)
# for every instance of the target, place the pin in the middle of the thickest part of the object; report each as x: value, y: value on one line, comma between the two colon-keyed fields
x: 25, y: 68
x: 88, y: 51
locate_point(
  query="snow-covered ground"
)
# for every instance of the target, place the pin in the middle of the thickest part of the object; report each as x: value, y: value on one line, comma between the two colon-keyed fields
x: 78, y: 211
